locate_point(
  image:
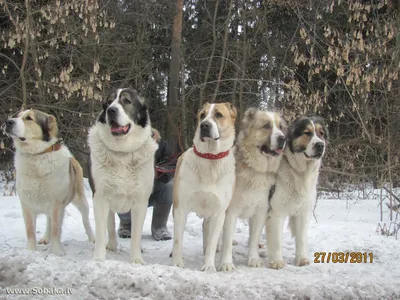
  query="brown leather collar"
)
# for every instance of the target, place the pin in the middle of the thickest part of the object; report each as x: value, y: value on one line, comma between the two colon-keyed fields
x: 55, y: 147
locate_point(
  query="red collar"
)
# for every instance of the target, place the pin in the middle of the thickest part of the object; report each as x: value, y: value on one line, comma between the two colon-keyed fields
x: 210, y: 155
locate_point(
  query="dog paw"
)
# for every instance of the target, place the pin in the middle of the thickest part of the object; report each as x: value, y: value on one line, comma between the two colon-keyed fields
x: 112, y: 246
x: 302, y: 262
x: 44, y: 241
x: 226, y: 267
x: 138, y: 261
x: 208, y: 268
x: 178, y: 263
x: 57, y: 250
x: 91, y: 239
x: 276, y: 265
x: 255, y: 262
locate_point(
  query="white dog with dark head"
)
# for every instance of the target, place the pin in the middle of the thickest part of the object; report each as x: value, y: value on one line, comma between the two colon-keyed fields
x: 296, y: 188
x: 205, y: 179
x: 122, y: 168
x: 48, y: 177
x: 258, y: 154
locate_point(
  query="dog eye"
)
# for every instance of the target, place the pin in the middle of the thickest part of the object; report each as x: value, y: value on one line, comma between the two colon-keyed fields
x: 202, y: 115
x: 28, y: 118
x: 218, y: 115
x: 321, y: 133
x: 267, y: 126
x: 127, y: 101
x: 308, y: 133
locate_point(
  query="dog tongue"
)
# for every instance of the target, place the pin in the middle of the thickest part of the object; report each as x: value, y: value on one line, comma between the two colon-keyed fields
x: 117, y: 128
x: 278, y: 151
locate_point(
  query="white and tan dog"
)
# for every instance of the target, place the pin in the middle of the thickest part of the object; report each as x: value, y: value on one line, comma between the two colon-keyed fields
x: 48, y: 177
x: 296, y: 188
x: 122, y: 168
x: 205, y: 179
x: 258, y: 154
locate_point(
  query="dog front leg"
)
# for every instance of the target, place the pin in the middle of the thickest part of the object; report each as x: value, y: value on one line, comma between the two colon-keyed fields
x: 257, y: 223
x: 101, y: 209
x: 57, y: 217
x: 299, y: 225
x: 227, y: 236
x: 180, y: 218
x: 112, y: 235
x: 136, y: 231
x: 46, y: 238
x: 274, y: 240
x: 30, y: 226
x: 214, y: 230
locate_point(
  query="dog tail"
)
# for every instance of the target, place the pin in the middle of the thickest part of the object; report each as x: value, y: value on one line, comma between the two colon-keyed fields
x: 76, y: 174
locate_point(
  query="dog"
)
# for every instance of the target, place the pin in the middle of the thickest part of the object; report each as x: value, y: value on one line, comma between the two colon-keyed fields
x: 121, y: 168
x: 296, y: 188
x: 48, y: 177
x: 205, y: 179
x: 258, y: 154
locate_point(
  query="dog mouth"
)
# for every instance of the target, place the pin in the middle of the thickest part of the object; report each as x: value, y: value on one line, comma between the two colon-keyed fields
x: 118, y: 130
x: 203, y: 139
x: 265, y: 149
x: 315, y: 156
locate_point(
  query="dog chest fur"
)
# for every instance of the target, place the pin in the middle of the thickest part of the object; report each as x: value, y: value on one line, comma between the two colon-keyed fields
x: 296, y: 185
x: 126, y: 174
x: 210, y: 192
x: 41, y: 179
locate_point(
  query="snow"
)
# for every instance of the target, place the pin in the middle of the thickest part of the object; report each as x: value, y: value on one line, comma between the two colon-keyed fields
x: 338, y: 230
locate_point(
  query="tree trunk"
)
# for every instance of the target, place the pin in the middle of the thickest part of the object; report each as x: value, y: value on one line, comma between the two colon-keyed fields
x: 173, y: 85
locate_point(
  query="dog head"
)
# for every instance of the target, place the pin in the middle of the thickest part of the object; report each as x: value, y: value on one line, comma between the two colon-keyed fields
x: 308, y: 135
x: 216, y: 122
x: 265, y: 130
x: 123, y: 109
x: 32, y: 130
x: 124, y: 123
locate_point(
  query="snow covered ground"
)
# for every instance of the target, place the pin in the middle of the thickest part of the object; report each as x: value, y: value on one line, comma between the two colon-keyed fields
x: 338, y: 230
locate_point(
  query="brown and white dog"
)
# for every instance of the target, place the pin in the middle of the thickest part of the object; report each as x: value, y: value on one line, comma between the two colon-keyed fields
x: 48, y: 177
x: 258, y: 154
x: 205, y: 179
x: 296, y: 188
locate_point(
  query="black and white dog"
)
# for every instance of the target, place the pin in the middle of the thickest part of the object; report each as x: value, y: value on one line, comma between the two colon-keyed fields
x: 121, y: 168
x: 296, y: 188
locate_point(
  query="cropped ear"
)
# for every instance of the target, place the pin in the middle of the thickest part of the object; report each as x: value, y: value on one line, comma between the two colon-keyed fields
x: 52, y: 126
x: 249, y: 115
x: 49, y: 127
x: 284, y: 124
x: 232, y: 110
x: 102, y: 117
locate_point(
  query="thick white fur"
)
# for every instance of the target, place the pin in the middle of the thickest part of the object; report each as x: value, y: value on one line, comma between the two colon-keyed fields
x: 44, y: 186
x: 295, y: 196
x: 123, y: 174
x: 255, y: 175
x: 203, y: 186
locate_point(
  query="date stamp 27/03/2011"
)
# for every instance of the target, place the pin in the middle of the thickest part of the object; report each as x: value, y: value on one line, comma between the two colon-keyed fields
x: 343, y: 257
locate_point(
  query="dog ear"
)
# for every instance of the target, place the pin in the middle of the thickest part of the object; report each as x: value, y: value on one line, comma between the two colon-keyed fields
x: 102, y: 117
x: 232, y: 110
x: 52, y: 126
x: 48, y: 123
x: 249, y: 115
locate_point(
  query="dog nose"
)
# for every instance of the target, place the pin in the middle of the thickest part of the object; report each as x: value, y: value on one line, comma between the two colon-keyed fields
x: 281, y: 141
x: 112, y: 111
x: 10, y: 122
x: 204, y: 125
x: 319, y: 147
